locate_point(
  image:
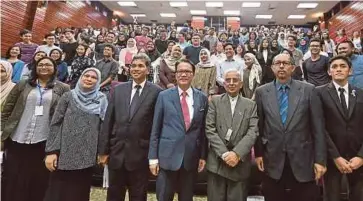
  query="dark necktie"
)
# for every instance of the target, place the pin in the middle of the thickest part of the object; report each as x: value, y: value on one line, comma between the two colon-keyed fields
x: 135, y: 100
x: 342, y: 100
x: 284, y: 103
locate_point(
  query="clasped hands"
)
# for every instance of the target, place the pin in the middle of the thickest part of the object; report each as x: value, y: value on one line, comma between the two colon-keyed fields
x: 346, y: 167
x: 231, y: 158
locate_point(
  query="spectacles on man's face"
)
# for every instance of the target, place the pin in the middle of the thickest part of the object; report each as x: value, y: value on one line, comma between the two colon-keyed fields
x: 46, y: 65
x: 186, y: 72
x: 284, y: 63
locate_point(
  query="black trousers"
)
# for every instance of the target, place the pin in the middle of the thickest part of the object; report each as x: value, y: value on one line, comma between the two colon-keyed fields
x: 180, y: 181
x: 333, y: 185
x: 288, y: 188
x: 136, y: 182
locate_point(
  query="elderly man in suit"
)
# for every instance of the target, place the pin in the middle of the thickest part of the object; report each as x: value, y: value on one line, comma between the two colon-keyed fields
x: 343, y: 114
x: 291, y: 147
x: 125, y: 133
x: 231, y: 129
x: 178, y: 146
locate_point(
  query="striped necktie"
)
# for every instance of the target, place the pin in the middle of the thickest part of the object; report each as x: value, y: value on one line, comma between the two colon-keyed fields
x: 284, y: 103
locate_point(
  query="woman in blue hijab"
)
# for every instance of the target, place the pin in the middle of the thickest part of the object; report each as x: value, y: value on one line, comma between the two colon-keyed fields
x: 304, y: 44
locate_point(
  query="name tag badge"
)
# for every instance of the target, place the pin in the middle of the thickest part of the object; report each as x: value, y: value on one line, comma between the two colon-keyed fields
x: 39, y: 110
x: 228, y: 135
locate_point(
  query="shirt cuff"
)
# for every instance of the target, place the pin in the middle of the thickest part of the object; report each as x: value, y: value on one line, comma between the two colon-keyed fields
x: 224, y: 155
x: 153, y: 161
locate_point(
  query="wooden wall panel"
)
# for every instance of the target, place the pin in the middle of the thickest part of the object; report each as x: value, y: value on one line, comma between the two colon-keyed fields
x: 350, y: 19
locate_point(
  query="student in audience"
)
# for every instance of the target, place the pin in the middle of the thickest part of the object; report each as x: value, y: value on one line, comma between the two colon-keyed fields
x: 108, y: 67
x: 50, y: 40
x: 25, y: 74
x: 109, y: 39
x: 218, y: 55
x: 167, y: 53
x: 252, y: 76
x: 13, y: 56
x: 25, y: 121
x: 125, y: 60
x: 167, y: 68
x: 152, y: 52
x: 264, y: 57
x: 62, y: 68
x: 6, y: 83
x: 69, y: 49
x: 143, y: 38
x: 192, y: 52
x: 71, y: 147
x: 240, y: 52
x: 27, y: 47
x: 328, y: 44
x: 79, y: 64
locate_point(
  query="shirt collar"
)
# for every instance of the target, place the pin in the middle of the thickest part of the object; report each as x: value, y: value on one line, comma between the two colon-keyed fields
x: 233, y: 98
x: 345, y: 87
x: 142, y: 84
x: 229, y: 60
x: 107, y: 59
x: 189, y: 91
x: 279, y: 85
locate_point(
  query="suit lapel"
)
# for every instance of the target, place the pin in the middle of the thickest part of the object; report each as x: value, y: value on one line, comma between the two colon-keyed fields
x: 295, y: 94
x: 177, y: 105
x: 238, y: 115
x: 352, y: 101
x: 128, y: 97
x: 273, y: 102
x: 196, y: 106
x: 143, y: 95
x: 334, y: 95
x: 226, y: 108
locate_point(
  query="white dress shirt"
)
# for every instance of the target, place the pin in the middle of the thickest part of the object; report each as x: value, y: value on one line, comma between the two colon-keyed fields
x: 265, y: 53
x: 233, y: 101
x: 133, y: 90
x: 346, y: 92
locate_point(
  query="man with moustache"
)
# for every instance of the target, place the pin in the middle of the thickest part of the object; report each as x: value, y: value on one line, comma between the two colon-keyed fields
x: 125, y: 133
x: 343, y: 114
x: 178, y: 146
x: 231, y: 129
x: 291, y: 147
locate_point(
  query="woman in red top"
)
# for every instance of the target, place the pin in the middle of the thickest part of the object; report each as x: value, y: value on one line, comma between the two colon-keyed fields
x: 125, y: 59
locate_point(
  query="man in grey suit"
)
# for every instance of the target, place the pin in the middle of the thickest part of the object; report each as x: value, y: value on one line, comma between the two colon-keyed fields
x: 291, y: 147
x: 231, y: 129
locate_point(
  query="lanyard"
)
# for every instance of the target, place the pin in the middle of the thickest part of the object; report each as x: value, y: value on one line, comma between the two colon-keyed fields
x: 41, y: 93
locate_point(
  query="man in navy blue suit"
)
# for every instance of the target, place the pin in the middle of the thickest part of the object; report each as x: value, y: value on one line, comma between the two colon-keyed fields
x: 178, y: 145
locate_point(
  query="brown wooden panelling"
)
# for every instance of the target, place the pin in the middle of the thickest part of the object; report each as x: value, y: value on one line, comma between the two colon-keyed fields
x: 350, y: 19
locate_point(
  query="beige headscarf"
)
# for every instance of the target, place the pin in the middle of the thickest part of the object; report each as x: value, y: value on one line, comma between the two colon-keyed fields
x: 171, y: 60
x: 208, y: 63
x: 6, y: 85
x: 256, y: 71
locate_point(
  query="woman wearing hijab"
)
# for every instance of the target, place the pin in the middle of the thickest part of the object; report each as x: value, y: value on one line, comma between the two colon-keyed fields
x: 125, y: 59
x: 167, y: 68
x: 252, y: 76
x: 79, y: 64
x: 205, y: 74
x: 304, y: 45
x: 6, y: 83
x: 167, y: 53
x: 62, y: 67
x: 71, y: 148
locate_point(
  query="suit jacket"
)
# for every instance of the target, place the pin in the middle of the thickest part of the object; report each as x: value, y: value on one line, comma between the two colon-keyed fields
x: 170, y: 142
x: 126, y: 138
x: 245, y: 131
x: 343, y: 133
x: 301, y: 139
x: 267, y: 73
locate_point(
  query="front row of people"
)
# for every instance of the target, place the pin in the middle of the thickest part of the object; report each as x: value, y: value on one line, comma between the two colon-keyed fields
x: 298, y: 132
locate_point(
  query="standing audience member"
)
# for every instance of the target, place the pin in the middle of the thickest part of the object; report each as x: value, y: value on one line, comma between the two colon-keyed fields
x: 152, y: 52
x: 79, y: 64
x: 178, y: 146
x: 50, y: 40
x: 167, y: 68
x: 218, y: 55
x: 142, y: 40
x: 357, y: 41
x: 231, y: 136
x: 125, y: 60
x: 343, y: 119
x: 162, y: 43
x: 341, y: 36
x: 264, y: 57
x: 181, y: 41
x: 71, y: 147
x: 6, y: 83
x: 109, y: 40
x: 125, y: 133
x: 25, y: 121
x: 25, y: 74
x: 328, y: 44
x: 275, y: 49
x: 289, y: 113
x: 13, y: 56
x: 62, y: 68
x: 296, y: 53
x: 240, y: 53
x: 252, y: 76
x: 297, y: 73
x: 70, y: 48
x: 27, y: 47
x: 205, y: 74
x: 167, y: 53
x: 192, y: 52
x: 316, y: 67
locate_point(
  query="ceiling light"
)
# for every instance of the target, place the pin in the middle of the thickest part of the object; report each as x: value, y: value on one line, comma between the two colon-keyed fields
x: 233, y: 18
x: 126, y: 3
x: 137, y: 15
x: 167, y: 15
x: 214, y: 4
x: 231, y: 12
x: 251, y: 4
x: 198, y: 12
x: 296, y: 17
x: 178, y: 4
x: 263, y: 16
x: 199, y: 18
x: 307, y: 5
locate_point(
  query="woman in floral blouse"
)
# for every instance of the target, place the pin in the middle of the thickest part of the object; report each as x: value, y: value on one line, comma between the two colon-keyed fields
x: 79, y: 64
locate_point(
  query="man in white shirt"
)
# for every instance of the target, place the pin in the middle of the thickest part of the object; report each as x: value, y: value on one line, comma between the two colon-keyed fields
x: 50, y: 40
x: 231, y: 128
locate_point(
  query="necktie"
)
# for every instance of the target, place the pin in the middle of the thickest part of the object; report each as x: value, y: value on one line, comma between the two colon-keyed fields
x: 284, y: 103
x: 135, y: 100
x: 185, y: 110
x: 342, y: 100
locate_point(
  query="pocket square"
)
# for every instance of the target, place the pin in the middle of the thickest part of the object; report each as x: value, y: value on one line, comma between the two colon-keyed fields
x: 201, y: 109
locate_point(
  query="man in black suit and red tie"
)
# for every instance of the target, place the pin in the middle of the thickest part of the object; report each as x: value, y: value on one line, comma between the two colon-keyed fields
x: 343, y: 114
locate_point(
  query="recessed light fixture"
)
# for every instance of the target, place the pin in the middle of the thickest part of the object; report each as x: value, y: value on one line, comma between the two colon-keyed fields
x: 231, y: 12
x: 137, y: 15
x: 167, y: 15
x: 251, y: 4
x: 178, y: 4
x: 296, y: 17
x: 307, y: 5
x: 214, y: 4
x: 198, y: 12
x: 263, y: 16
x: 234, y: 18
x: 126, y: 3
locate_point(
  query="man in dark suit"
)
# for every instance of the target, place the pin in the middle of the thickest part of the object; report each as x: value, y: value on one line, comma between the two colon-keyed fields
x: 343, y: 114
x: 290, y: 148
x: 125, y: 133
x: 178, y: 146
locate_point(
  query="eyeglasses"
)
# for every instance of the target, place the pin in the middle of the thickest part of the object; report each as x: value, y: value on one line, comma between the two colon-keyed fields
x: 284, y: 63
x: 181, y: 72
x: 47, y: 65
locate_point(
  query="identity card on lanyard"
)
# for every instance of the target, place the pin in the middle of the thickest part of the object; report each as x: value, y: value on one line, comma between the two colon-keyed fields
x: 39, y: 107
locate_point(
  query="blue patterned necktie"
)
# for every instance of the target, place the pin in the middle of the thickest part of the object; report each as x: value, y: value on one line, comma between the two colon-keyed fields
x: 284, y: 103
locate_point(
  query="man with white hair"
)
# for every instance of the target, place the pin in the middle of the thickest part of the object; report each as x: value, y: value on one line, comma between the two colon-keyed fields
x: 231, y: 128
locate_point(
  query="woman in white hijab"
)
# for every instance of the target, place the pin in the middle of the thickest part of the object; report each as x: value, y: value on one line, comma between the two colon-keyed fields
x: 252, y: 75
x: 205, y: 74
x: 6, y: 83
x: 125, y: 59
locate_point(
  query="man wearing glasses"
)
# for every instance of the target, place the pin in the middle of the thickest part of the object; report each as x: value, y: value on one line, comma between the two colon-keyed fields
x: 291, y: 147
x: 178, y: 145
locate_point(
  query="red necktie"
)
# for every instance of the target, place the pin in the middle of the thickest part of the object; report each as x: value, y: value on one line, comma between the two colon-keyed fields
x: 185, y: 110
